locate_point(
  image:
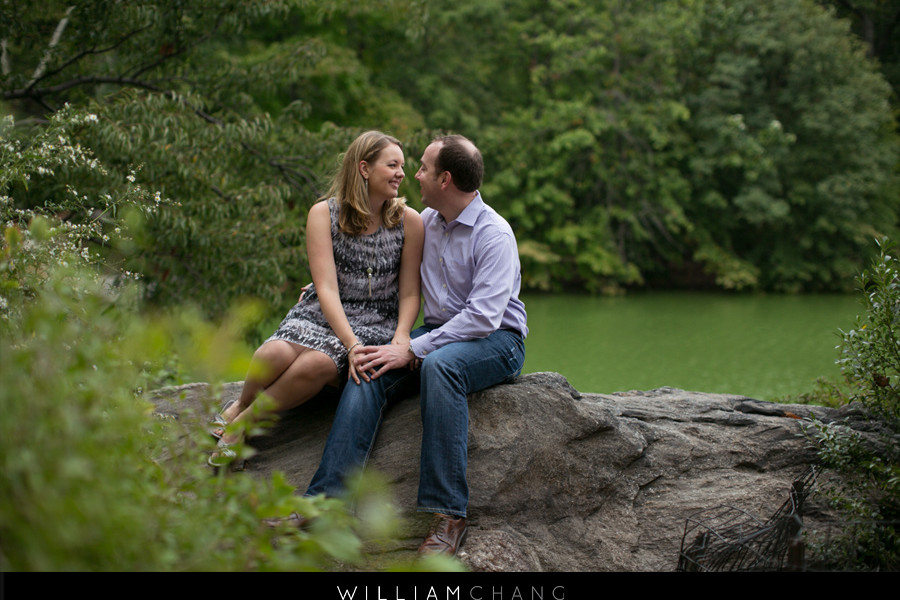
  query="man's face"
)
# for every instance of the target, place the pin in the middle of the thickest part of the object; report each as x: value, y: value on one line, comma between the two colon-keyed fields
x: 429, y: 178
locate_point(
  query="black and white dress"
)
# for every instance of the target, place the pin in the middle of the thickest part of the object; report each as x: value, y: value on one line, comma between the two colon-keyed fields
x: 370, y: 299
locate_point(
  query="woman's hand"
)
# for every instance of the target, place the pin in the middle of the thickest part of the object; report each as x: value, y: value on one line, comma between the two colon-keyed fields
x: 303, y: 291
x: 352, y: 355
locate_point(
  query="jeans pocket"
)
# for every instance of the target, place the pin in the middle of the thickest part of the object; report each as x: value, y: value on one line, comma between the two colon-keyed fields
x: 515, y: 358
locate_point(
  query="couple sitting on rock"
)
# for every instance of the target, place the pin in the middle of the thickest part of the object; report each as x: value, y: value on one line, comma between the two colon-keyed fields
x: 372, y: 258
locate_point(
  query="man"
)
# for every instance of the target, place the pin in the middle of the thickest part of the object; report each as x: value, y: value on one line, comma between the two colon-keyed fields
x: 473, y: 338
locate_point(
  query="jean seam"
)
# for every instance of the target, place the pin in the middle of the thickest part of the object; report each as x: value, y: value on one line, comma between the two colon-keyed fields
x: 387, y: 390
x: 374, y: 437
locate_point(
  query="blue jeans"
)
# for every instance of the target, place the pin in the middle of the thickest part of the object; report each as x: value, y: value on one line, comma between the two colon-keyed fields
x: 445, y: 379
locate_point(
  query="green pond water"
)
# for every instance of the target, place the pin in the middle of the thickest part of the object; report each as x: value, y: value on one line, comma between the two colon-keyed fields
x: 762, y: 346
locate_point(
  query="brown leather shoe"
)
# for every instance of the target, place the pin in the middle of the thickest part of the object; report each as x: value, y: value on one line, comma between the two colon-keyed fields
x: 445, y: 535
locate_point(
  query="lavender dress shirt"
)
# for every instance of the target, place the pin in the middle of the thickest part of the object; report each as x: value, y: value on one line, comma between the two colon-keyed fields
x: 470, y: 277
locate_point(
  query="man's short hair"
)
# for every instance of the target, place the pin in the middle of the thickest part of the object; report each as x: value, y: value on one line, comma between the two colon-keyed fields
x: 463, y: 160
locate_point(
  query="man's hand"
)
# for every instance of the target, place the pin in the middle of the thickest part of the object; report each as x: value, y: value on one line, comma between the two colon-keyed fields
x: 373, y: 361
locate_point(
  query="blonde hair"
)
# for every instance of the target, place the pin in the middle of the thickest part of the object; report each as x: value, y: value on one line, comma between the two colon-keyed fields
x: 349, y: 186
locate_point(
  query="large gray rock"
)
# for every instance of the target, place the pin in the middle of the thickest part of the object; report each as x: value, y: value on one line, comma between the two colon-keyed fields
x: 564, y: 481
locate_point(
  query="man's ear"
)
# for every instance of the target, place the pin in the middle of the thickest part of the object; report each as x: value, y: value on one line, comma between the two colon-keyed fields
x: 446, y: 180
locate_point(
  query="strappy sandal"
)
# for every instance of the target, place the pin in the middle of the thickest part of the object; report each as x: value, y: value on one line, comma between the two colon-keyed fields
x: 219, y: 423
x: 218, y: 426
x: 223, y: 455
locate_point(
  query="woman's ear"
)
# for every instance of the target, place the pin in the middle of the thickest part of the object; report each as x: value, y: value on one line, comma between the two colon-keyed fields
x: 364, y: 169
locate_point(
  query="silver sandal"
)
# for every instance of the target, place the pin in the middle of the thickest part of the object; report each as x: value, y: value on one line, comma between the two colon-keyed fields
x: 223, y: 455
x: 219, y: 422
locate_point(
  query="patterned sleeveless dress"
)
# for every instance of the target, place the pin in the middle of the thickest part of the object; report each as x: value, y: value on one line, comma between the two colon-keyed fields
x: 370, y: 303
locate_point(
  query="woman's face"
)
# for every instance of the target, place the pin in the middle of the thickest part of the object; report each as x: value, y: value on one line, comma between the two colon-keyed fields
x: 385, y: 174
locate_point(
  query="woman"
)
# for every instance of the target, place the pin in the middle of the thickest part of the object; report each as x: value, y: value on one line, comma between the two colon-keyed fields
x: 365, y: 248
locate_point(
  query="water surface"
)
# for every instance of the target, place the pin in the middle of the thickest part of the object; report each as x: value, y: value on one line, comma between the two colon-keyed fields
x: 761, y: 346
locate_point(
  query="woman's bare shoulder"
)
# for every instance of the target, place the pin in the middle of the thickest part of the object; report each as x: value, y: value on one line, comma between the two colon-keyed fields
x: 411, y: 213
x: 319, y: 207
x: 319, y: 216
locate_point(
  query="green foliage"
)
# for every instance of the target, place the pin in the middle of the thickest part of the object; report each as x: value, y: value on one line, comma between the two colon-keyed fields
x: 73, y: 223
x: 659, y: 141
x: 866, y: 488
x: 232, y: 230
x: 91, y: 480
x: 94, y: 480
x: 826, y: 392
x: 870, y: 352
x: 743, y: 145
x: 877, y: 23
x: 179, y: 92
x: 794, y: 169
x: 866, y: 494
x: 92, y: 477
x: 585, y: 169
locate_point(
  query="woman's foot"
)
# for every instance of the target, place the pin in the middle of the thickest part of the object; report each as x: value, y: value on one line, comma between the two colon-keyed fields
x: 224, y: 455
x: 221, y: 421
x: 218, y: 427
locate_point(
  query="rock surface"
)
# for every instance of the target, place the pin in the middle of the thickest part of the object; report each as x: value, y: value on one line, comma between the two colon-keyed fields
x: 565, y: 481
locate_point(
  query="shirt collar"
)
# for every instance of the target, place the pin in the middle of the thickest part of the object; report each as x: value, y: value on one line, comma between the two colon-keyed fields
x: 470, y: 213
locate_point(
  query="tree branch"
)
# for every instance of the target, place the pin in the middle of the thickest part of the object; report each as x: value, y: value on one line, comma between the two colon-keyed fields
x: 38, y: 93
x: 84, y: 53
x: 54, y: 40
x: 4, y: 58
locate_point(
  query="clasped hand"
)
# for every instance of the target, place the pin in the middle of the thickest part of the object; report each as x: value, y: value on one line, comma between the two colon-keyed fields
x: 370, y: 362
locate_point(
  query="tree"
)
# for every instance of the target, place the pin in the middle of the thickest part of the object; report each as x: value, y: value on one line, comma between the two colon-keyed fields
x: 178, y: 89
x: 742, y: 145
x: 877, y: 23
x: 794, y: 169
x: 585, y: 168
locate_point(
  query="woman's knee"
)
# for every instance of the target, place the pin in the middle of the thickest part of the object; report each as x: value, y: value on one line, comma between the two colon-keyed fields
x: 313, y: 366
x: 275, y: 351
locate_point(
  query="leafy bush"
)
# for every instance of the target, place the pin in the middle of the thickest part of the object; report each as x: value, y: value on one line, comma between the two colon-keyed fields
x: 91, y: 479
x: 866, y: 489
x: 870, y: 352
x: 91, y: 229
x: 866, y: 495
